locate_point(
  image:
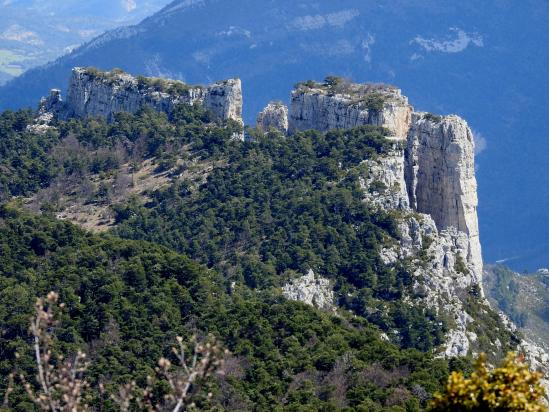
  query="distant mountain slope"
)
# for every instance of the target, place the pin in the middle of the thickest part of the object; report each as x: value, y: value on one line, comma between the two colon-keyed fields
x: 523, y: 297
x: 33, y: 32
x: 466, y: 58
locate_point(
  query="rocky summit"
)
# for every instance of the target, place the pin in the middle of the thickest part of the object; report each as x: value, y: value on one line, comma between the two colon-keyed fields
x: 428, y: 176
x: 433, y: 174
x: 92, y: 93
x: 430, y: 169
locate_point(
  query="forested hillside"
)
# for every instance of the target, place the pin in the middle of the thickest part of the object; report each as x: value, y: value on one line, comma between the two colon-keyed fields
x: 127, y: 300
x: 442, y: 53
x: 252, y: 215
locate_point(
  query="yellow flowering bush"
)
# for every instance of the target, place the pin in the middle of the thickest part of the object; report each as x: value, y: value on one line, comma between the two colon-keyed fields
x: 509, y: 387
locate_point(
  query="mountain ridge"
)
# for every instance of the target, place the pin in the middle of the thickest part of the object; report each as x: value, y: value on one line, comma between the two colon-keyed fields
x: 445, y: 69
x: 421, y: 142
x: 337, y: 219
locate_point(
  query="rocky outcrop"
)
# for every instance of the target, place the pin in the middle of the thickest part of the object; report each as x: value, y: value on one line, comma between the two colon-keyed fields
x: 224, y: 99
x: 45, y: 115
x: 319, y: 107
x: 429, y: 176
x: 312, y: 290
x: 274, y: 116
x: 384, y: 185
x: 52, y: 103
x: 437, y: 259
x: 435, y: 175
x: 440, y: 177
x: 103, y: 94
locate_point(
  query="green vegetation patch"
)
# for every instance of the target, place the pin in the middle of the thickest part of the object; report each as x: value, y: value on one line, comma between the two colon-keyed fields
x: 158, y: 84
x: 127, y: 300
x: 373, y: 101
x: 435, y: 118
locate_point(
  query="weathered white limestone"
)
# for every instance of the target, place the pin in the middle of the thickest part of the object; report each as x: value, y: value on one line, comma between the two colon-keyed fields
x: 45, y: 115
x: 316, y: 108
x: 439, y: 170
x: 225, y: 100
x: 440, y: 176
x: 274, y: 116
x: 312, y: 290
x: 440, y: 279
x: 384, y: 185
x: 104, y: 95
x: 432, y: 182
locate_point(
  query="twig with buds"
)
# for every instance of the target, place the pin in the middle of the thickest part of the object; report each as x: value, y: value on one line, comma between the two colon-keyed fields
x: 60, y: 381
x: 207, y: 358
x: 182, y: 378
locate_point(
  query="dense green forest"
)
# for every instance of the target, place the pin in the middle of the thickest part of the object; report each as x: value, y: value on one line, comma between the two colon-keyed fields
x: 282, y: 206
x: 25, y: 163
x: 208, y: 252
x: 274, y: 209
x: 126, y: 300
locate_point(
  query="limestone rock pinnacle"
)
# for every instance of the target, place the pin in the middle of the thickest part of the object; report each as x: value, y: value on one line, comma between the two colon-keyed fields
x: 440, y: 176
x: 275, y: 115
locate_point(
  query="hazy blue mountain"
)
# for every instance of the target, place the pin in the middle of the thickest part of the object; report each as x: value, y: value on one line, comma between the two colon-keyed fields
x: 33, y: 32
x: 486, y: 61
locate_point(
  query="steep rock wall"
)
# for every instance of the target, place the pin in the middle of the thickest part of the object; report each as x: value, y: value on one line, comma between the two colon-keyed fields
x: 440, y: 177
x: 437, y: 168
x: 317, y: 108
x: 103, y: 94
x: 431, y: 182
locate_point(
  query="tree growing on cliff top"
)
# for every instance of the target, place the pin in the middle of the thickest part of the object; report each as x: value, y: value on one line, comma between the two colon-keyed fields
x: 509, y: 387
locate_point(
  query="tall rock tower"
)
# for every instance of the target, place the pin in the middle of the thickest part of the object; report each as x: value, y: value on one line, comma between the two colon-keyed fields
x: 437, y: 165
x: 440, y: 176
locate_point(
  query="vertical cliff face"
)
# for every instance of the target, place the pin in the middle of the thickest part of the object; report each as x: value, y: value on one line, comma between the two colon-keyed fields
x: 323, y: 108
x: 440, y: 176
x: 436, y: 171
x: 103, y: 94
x: 224, y: 99
x: 431, y: 182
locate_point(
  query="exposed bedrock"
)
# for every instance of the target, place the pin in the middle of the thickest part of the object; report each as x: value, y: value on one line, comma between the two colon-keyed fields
x: 320, y: 109
x: 436, y: 170
x: 440, y: 176
x: 103, y: 94
x: 274, y: 116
